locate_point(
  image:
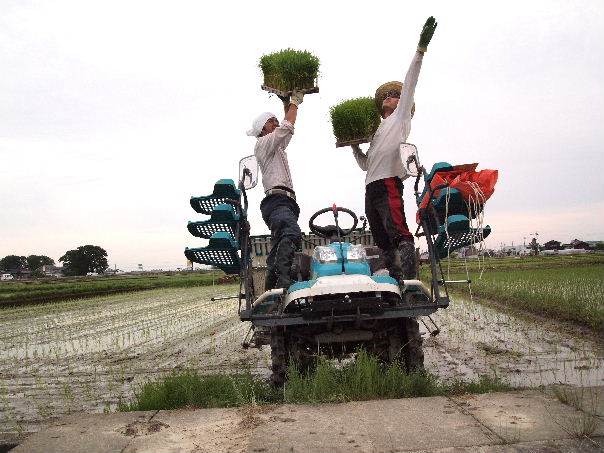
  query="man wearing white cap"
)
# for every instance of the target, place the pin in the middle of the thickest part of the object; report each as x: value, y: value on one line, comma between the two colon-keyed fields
x: 279, y: 208
x: 384, y: 206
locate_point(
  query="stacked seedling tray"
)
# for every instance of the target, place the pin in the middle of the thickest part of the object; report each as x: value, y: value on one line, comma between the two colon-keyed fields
x: 289, y: 70
x: 354, y: 121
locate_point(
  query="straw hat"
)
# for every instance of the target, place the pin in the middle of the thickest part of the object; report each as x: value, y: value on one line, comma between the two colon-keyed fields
x: 380, y: 94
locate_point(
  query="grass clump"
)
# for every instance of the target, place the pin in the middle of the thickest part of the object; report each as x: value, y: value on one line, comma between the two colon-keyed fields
x: 354, y: 119
x: 290, y: 69
x: 190, y: 389
x: 363, y: 379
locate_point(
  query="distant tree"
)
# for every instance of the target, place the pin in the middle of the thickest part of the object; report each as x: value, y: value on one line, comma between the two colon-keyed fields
x: 599, y: 245
x: 84, y: 259
x: 13, y: 263
x: 534, y: 246
x: 35, y: 263
x: 552, y: 245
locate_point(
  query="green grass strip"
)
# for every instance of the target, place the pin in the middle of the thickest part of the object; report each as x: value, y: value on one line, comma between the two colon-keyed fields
x: 354, y: 119
x: 363, y: 379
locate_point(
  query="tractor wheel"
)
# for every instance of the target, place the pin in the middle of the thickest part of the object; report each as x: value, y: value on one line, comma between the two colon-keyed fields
x: 304, y: 357
x: 278, y: 357
x: 412, y: 352
x: 395, y: 344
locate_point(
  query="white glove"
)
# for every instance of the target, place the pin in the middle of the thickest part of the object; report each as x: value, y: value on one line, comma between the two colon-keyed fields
x: 296, y: 98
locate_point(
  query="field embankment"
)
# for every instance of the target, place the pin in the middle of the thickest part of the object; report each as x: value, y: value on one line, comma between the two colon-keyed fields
x: 49, y: 290
x: 561, y: 287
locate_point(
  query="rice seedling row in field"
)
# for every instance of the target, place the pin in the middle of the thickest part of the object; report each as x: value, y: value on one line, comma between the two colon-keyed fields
x: 571, y: 293
x: 92, y: 354
x: 42, y: 290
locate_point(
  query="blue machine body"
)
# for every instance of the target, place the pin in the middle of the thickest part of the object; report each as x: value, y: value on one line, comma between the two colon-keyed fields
x: 319, y: 269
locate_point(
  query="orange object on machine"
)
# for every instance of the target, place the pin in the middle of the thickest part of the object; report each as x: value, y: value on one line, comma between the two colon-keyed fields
x: 464, y: 178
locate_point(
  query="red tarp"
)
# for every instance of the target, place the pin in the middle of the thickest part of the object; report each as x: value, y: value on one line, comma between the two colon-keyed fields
x: 462, y: 178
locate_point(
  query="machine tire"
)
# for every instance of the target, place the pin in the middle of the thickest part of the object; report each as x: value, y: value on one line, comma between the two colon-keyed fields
x: 304, y: 358
x: 278, y: 357
x: 412, y: 352
x: 395, y: 344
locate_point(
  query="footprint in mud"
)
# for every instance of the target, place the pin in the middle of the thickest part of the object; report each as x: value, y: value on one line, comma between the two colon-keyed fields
x: 138, y: 428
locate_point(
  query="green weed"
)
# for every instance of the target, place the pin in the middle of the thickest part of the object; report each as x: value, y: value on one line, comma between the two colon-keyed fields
x: 362, y: 379
x: 189, y: 389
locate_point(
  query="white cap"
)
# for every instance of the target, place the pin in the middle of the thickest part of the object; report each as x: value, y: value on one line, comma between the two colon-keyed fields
x: 259, y: 123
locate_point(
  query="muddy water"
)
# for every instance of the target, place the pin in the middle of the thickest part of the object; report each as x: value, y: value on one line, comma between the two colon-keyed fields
x: 89, y: 355
x: 528, y: 352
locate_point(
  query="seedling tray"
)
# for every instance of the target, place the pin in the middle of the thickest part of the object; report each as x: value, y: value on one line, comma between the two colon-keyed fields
x: 357, y: 141
x: 288, y: 93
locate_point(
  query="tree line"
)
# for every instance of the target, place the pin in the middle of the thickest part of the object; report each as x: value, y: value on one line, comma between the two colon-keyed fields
x: 80, y: 261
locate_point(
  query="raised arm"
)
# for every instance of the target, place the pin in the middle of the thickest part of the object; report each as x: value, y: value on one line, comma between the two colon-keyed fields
x: 290, y: 105
x: 403, y: 109
x: 360, y: 156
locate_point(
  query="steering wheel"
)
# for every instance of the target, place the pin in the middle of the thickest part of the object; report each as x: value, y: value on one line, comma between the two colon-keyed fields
x: 330, y: 230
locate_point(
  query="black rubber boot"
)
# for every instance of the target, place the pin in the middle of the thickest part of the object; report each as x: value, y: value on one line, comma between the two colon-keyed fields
x: 279, y: 269
x: 406, y: 253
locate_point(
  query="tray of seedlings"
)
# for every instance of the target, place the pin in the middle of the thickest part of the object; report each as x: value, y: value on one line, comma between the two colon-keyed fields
x: 354, y: 121
x: 288, y: 70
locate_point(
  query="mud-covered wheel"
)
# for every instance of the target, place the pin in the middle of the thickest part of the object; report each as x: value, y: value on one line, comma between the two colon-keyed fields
x: 303, y: 357
x: 278, y: 357
x: 395, y: 346
x: 412, y: 352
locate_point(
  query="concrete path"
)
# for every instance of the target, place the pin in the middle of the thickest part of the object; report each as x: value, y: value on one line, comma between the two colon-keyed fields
x: 524, y: 421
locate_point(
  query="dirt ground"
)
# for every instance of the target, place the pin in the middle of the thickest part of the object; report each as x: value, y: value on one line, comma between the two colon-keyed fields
x: 88, y: 355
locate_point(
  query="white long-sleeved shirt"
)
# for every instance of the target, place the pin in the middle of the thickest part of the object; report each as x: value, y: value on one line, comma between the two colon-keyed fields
x: 383, y: 158
x: 272, y: 158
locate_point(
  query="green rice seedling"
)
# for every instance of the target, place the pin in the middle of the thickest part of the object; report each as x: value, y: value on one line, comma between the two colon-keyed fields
x: 354, y: 119
x: 290, y: 69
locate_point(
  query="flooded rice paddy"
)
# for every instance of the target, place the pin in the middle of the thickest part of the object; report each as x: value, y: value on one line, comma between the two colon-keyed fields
x: 88, y: 355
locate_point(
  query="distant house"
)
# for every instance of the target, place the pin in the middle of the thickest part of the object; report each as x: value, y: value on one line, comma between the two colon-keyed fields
x: 515, y: 250
x: 20, y: 273
x: 552, y: 245
x: 596, y: 245
x: 50, y: 270
x: 114, y: 271
x: 549, y: 252
x: 572, y: 251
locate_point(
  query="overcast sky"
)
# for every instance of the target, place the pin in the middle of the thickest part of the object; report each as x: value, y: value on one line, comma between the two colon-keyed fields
x: 113, y: 113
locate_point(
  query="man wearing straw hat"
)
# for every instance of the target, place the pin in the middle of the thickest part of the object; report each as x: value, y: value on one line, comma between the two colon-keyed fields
x: 279, y: 208
x: 385, y: 172
x: 384, y: 183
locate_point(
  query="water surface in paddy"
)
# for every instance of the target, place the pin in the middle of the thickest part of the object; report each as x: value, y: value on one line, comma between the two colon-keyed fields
x: 527, y: 352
